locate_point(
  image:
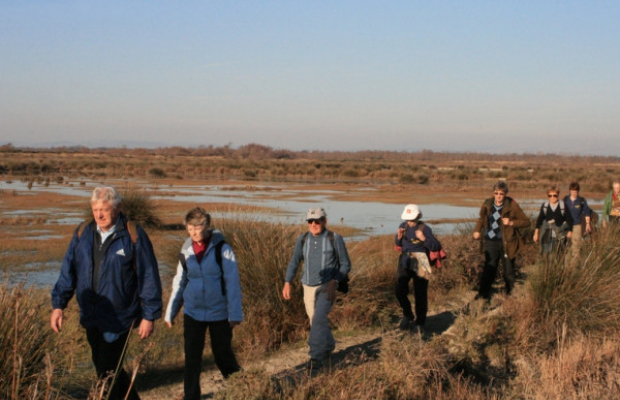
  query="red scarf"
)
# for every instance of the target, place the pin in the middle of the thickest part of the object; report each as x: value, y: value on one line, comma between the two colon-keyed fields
x: 200, y: 249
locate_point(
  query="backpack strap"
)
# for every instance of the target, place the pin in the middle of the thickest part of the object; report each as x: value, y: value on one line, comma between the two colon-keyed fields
x: 218, y: 258
x: 133, y: 231
x: 330, y: 236
x: 562, y: 207
x: 82, y: 226
x: 342, y: 286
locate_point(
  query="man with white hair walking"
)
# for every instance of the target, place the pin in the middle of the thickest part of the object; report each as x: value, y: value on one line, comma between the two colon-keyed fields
x: 111, y: 268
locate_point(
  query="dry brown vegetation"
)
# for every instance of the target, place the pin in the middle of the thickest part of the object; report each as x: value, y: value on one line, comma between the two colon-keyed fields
x: 555, y: 338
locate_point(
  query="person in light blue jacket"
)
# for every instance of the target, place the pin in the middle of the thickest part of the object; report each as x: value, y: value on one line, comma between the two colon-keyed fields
x: 207, y: 286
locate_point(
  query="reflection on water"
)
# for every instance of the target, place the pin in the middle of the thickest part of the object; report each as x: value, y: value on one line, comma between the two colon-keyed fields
x: 287, y: 204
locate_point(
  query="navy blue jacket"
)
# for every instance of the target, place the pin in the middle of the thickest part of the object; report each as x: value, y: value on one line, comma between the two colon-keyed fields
x: 411, y: 244
x: 129, y: 286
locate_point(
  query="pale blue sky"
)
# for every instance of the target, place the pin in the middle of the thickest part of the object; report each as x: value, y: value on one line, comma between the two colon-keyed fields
x: 499, y: 76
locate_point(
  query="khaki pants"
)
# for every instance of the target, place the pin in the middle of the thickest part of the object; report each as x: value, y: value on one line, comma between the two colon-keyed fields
x: 309, y: 299
x: 576, y: 240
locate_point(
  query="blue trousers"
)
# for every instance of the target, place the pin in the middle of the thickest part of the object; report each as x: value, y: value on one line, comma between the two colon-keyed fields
x: 321, y: 340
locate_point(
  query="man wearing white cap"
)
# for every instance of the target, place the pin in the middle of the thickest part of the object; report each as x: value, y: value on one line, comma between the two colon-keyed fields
x: 326, y: 265
x: 414, y: 238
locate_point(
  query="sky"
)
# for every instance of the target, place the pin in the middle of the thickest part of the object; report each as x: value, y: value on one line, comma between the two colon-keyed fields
x: 487, y: 76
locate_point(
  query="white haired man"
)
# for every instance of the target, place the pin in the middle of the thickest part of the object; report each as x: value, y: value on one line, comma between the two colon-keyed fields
x: 111, y: 268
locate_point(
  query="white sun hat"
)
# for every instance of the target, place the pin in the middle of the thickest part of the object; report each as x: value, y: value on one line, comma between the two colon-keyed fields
x: 411, y: 212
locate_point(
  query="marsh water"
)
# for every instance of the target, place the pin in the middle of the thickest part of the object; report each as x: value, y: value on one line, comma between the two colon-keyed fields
x: 285, y: 204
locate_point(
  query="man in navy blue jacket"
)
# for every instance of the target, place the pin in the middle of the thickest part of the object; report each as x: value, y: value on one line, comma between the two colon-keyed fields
x: 111, y: 268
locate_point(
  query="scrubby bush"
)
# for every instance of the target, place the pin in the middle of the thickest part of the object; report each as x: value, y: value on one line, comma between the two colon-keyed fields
x: 24, y: 342
x: 138, y: 207
x: 157, y: 172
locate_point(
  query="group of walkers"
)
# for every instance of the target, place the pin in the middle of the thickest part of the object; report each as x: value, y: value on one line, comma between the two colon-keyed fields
x: 110, y: 267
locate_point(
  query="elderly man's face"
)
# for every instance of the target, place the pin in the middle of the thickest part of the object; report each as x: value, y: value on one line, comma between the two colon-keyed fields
x: 105, y: 215
x: 316, y: 226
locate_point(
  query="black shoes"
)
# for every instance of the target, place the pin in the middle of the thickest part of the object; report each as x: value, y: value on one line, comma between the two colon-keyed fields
x: 405, y: 323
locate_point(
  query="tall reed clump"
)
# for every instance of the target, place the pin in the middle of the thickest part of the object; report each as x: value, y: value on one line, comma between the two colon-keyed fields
x: 370, y: 301
x: 24, y: 342
x: 138, y: 207
x: 580, y: 294
x: 263, y: 251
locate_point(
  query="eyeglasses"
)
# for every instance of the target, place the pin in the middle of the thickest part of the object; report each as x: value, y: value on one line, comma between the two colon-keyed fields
x: 552, y: 195
x: 499, y: 193
x: 315, y: 221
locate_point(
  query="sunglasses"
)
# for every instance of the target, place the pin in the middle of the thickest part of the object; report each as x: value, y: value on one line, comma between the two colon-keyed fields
x: 552, y: 195
x: 315, y: 221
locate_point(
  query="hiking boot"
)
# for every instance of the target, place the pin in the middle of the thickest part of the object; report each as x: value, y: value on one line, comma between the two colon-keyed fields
x: 405, y: 323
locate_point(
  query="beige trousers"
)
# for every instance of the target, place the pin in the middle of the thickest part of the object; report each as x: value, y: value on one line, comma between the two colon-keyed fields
x: 309, y: 300
x: 576, y: 240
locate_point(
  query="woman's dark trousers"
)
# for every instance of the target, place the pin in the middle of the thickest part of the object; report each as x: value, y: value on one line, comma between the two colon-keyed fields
x: 406, y: 272
x: 220, y: 333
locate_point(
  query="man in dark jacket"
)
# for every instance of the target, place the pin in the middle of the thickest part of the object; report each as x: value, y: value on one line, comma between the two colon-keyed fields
x: 500, y: 217
x: 111, y: 268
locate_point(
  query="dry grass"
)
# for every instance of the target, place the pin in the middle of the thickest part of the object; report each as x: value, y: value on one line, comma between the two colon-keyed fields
x: 554, y: 338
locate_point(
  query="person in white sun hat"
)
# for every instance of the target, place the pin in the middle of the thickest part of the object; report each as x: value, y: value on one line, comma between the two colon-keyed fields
x: 414, y: 238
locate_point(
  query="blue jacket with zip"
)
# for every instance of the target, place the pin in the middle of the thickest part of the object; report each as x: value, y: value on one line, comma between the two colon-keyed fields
x: 198, y: 286
x: 129, y: 287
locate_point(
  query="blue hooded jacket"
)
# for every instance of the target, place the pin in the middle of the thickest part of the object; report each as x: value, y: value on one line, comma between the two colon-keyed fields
x: 198, y: 288
x: 129, y: 287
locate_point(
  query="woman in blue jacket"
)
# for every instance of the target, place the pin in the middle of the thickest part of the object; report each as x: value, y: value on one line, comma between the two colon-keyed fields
x: 207, y: 286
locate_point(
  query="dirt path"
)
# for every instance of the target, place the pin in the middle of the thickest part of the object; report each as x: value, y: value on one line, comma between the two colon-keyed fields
x: 291, y: 363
